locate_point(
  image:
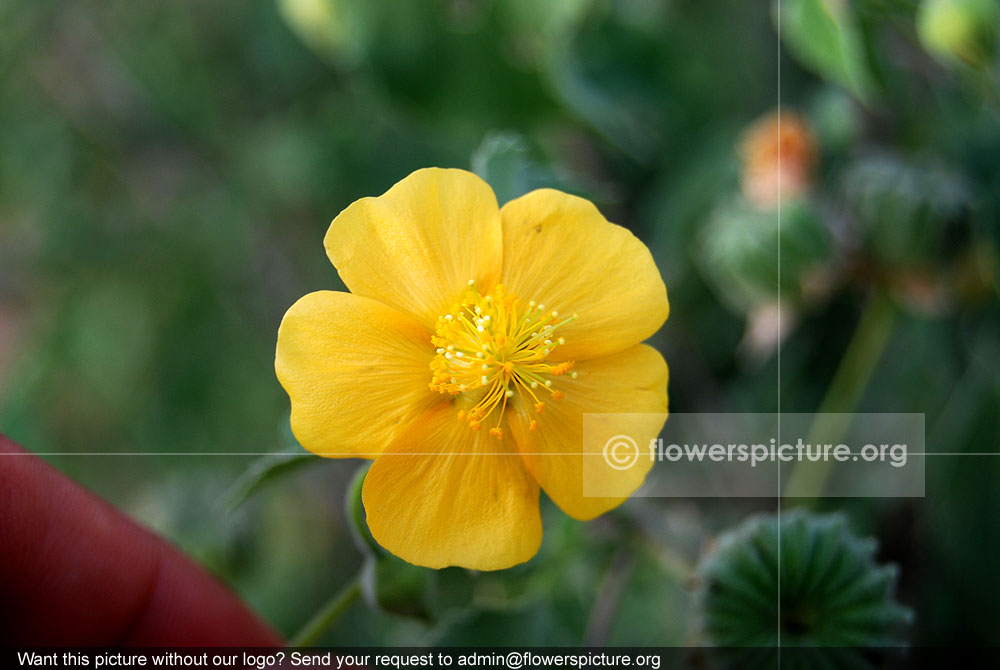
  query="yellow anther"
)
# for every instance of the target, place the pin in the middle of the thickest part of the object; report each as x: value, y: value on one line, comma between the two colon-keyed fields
x: 492, y: 350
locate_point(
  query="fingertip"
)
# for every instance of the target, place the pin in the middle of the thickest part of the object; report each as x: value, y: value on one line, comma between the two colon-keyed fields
x: 76, y: 571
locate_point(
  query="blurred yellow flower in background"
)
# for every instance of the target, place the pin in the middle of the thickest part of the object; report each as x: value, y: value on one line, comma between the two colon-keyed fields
x: 473, y: 340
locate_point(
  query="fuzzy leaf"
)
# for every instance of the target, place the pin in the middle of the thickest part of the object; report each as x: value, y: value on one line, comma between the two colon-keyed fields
x: 263, y: 471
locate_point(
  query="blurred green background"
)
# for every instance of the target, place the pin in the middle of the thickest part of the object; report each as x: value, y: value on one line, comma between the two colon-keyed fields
x: 168, y: 170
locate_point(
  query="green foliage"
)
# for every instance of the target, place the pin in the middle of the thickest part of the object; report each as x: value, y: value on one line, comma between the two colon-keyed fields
x: 740, y: 244
x: 504, y: 161
x: 265, y: 470
x: 960, y: 30
x: 910, y: 214
x: 168, y: 171
x: 824, y: 36
x: 802, y: 579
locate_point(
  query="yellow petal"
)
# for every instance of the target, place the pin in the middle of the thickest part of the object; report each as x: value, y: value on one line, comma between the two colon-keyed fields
x: 417, y: 246
x: 633, y: 381
x: 355, y: 370
x: 447, y: 495
x: 561, y: 252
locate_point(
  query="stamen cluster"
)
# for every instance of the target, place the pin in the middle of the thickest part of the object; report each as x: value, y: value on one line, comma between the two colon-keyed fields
x: 493, y: 348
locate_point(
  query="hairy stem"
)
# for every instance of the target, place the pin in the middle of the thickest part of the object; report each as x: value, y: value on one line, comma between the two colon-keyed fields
x: 327, y: 615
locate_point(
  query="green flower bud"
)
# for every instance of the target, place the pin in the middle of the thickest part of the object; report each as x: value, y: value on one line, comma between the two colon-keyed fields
x: 818, y: 586
x: 325, y: 26
x: 960, y: 30
x: 739, y: 248
x: 908, y: 216
x: 392, y: 585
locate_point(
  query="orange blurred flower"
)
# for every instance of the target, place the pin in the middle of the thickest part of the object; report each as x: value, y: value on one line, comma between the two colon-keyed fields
x: 778, y: 153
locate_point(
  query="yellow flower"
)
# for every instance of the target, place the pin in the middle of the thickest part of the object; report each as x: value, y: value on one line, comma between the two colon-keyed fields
x: 472, y: 342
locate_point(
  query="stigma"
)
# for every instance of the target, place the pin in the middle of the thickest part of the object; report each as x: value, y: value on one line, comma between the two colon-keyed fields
x: 492, y: 350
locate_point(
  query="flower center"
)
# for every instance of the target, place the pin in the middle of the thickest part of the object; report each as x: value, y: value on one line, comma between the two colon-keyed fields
x: 491, y: 349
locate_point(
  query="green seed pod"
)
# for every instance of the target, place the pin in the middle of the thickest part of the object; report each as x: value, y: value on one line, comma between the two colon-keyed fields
x: 738, y: 253
x: 960, y: 30
x: 831, y: 592
x: 908, y: 216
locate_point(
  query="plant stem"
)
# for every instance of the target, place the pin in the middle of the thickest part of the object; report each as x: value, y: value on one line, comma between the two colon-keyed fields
x: 670, y: 561
x: 609, y: 597
x: 327, y: 615
x: 845, y: 392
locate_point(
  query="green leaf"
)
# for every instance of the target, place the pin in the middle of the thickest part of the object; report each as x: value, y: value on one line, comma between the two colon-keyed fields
x: 263, y: 471
x: 392, y: 585
x: 823, y: 36
x: 621, y: 126
x: 960, y: 30
x: 504, y: 161
x: 738, y: 248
